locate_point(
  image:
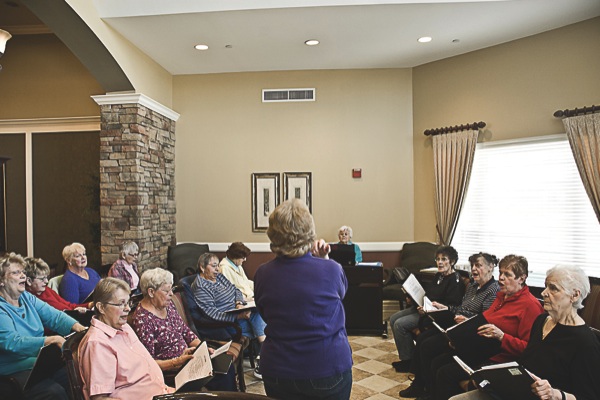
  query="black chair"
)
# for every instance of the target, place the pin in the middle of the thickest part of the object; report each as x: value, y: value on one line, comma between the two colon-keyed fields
x: 211, y: 395
x: 10, y: 388
x: 70, y: 351
x: 208, y: 329
x: 182, y: 259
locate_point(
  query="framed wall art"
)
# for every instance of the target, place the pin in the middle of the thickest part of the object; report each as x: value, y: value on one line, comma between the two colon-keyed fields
x: 265, y: 197
x: 298, y: 185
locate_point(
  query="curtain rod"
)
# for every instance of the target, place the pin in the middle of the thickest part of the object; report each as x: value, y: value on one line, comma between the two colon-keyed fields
x: 577, y: 111
x: 456, y: 128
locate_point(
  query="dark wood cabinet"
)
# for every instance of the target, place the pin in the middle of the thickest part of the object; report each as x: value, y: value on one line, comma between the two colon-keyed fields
x: 363, y: 303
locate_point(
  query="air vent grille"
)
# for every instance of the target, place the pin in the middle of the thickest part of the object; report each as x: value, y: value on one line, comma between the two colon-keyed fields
x: 279, y: 95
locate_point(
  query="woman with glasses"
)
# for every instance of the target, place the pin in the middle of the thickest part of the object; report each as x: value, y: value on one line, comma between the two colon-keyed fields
x: 446, y: 288
x: 23, y: 318
x: 79, y: 280
x: 125, y: 268
x: 37, y: 272
x: 112, y: 360
x: 162, y: 331
x: 345, y: 236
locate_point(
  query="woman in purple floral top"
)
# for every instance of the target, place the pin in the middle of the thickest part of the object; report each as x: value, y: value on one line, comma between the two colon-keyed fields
x: 162, y: 331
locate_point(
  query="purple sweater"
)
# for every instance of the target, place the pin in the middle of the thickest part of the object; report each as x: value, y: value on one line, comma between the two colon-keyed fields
x: 300, y: 299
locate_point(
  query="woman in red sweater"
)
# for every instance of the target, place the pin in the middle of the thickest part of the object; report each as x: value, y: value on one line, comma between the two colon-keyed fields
x: 37, y: 272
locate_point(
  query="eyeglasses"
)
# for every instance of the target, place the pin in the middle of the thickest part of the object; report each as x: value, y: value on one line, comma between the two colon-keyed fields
x: 41, y: 278
x: 18, y: 272
x: 213, y: 265
x: 134, y: 254
x: 443, y: 259
x: 128, y: 304
x: 167, y: 291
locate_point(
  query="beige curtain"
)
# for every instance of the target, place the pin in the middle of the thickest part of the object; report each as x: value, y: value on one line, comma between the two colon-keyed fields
x: 452, y: 161
x: 584, y: 136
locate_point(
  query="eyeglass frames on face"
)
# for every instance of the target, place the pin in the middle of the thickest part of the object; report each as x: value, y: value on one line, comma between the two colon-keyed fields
x: 41, y: 278
x: 133, y: 255
x: 129, y: 304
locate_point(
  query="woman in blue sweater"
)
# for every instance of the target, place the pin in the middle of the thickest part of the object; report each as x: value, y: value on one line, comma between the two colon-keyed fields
x: 306, y: 354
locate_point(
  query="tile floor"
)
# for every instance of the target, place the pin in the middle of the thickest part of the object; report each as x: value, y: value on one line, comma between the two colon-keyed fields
x: 373, y: 376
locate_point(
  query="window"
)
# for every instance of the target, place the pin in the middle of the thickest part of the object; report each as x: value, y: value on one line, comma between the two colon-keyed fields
x: 525, y: 197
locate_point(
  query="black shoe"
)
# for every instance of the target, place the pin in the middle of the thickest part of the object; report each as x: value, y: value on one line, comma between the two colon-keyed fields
x: 401, y: 366
x: 412, y: 391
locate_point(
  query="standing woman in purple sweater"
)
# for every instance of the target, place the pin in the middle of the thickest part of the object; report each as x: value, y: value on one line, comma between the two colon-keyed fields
x: 306, y: 354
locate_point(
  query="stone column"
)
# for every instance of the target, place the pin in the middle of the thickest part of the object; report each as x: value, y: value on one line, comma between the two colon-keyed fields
x: 137, y: 177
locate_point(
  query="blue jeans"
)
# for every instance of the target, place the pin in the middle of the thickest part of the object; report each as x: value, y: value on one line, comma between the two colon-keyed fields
x: 336, y: 387
x: 252, y: 327
x: 402, y: 323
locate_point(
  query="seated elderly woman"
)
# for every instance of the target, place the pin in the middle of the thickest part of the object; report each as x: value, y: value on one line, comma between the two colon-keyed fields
x: 479, y: 296
x: 231, y: 267
x: 78, y: 281
x: 162, y: 331
x: 563, y: 354
x: 345, y: 236
x: 306, y: 354
x: 125, y: 268
x: 23, y: 318
x: 509, y: 321
x: 214, y: 294
x: 112, y: 360
x: 446, y: 288
x: 37, y: 272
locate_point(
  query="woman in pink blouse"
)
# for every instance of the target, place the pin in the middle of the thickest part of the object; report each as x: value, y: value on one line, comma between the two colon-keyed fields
x: 162, y: 331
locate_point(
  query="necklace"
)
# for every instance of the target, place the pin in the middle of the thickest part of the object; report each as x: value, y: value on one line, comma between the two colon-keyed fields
x: 548, y: 326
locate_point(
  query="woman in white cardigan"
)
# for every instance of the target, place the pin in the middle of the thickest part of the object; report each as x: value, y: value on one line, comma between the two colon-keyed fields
x: 231, y: 268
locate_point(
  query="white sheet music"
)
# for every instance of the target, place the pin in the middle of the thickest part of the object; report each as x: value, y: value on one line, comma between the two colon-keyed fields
x: 198, y: 367
x: 414, y: 289
x: 221, y: 349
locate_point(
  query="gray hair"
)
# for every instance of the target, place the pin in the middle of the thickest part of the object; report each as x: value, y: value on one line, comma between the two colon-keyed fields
x: 155, y: 278
x: 571, y: 278
x: 345, y: 228
x: 128, y: 248
x: 103, y: 293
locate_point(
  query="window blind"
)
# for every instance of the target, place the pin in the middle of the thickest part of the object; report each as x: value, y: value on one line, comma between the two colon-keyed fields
x: 525, y: 197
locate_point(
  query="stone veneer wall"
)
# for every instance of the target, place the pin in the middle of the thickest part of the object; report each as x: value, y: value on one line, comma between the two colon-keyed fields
x: 137, y: 182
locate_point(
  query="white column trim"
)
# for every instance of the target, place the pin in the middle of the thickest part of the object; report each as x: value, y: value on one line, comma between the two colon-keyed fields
x: 48, y: 125
x: 136, y: 98
x: 29, y: 192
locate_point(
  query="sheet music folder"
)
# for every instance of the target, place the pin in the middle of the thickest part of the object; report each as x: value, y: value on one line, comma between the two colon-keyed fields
x: 470, y: 346
x: 48, y: 361
x: 508, y: 380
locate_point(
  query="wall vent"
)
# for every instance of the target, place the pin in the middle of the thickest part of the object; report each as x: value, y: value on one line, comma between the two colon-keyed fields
x: 279, y: 95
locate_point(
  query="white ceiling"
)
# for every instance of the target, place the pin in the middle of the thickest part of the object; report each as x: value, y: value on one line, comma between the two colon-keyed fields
x: 269, y: 35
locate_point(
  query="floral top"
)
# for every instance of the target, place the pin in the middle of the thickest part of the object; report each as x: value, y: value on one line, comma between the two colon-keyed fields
x: 164, y: 338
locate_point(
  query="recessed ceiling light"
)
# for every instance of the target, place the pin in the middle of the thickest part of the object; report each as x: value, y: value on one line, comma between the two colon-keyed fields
x: 201, y: 47
x: 424, y: 39
x: 311, y: 42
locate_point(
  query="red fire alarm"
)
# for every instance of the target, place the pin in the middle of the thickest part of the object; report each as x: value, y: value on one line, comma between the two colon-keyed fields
x: 357, y: 173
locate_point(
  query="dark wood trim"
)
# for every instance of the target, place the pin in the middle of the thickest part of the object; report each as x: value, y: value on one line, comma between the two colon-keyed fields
x: 455, y: 128
x: 577, y: 111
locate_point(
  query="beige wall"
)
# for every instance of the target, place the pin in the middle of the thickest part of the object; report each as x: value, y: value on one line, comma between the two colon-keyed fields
x: 360, y: 119
x: 41, y: 78
x: 514, y: 87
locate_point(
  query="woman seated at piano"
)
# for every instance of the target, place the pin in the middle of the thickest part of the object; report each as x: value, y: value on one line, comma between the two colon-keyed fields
x: 23, y: 318
x: 509, y: 319
x: 479, y: 296
x: 162, y: 331
x: 345, y: 236
x: 563, y: 354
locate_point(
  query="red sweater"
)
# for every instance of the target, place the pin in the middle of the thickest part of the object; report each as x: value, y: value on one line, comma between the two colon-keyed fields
x: 514, y: 316
x: 53, y: 298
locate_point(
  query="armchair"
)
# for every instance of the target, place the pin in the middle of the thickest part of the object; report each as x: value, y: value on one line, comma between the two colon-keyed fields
x: 182, y: 259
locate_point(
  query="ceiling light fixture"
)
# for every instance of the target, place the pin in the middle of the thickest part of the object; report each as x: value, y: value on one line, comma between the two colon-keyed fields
x: 4, y: 37
x: 424, y: 39
x: 201, y: 47
x: 311, y: 42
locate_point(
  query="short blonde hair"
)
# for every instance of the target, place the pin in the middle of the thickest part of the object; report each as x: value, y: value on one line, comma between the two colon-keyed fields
x: 103, y: 293
x: 36, y: 266
x: 71, y: 249
x: 154, y: 278
x: 10, y: 258
x: 291, y: 229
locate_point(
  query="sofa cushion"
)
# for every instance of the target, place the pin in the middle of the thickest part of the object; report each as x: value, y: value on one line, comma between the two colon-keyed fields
x: 418, y: 255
